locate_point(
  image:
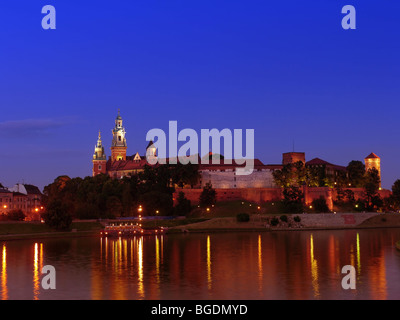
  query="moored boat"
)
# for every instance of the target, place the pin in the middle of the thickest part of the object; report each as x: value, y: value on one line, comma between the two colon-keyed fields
x: 129, y: 231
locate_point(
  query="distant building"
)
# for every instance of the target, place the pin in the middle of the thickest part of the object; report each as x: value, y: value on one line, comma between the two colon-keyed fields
x: 25, y: 197
x: 331, y: 170
x: 6, y: 199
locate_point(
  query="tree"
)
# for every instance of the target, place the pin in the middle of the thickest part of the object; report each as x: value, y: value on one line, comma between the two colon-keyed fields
x: 395, y: 197
x: 208, y: 196
x: 16, y: 215
x: 317, y: 177
x: 183, y: 206
x: 57, y: 216
x: 185, y: 174
x: 292, y: 200
x: 356, y: 173
x: 320, y: 205
x: 114, y: 206
x: 372, y: 182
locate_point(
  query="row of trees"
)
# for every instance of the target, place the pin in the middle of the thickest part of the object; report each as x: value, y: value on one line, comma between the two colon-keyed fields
x: 104, y: 197
x: 293, y: 198
x: 298, y: 174
x: 293, y: 176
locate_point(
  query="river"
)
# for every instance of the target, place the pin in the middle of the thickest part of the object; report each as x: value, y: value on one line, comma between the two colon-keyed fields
x: 288, y: 265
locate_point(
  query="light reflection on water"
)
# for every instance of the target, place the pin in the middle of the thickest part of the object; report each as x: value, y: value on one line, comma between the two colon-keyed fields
x: 270, y: 265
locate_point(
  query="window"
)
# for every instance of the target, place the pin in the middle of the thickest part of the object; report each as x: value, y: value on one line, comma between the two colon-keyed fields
x: 99, y: 166
x: 119, y: 138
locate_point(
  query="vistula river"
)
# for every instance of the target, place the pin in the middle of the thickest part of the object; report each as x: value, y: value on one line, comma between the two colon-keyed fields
x: 233, y: 265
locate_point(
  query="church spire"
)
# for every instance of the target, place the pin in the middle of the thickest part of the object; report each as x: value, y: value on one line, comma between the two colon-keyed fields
x: 99, y: 153
x: 99, y: 157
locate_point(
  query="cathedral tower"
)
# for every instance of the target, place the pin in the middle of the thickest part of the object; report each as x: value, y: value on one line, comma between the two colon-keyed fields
x: 118, y: 144
x: 99, y: 158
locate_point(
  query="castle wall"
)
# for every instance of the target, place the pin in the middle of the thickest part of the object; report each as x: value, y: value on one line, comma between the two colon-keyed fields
x: 229, y: 179
x: 262, y: 195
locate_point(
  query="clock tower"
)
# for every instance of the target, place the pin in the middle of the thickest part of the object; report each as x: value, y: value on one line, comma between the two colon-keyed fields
x: 118, y: 144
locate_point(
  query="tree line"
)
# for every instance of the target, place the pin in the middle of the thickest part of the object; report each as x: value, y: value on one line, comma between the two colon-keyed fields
x: 104, y: 197
x: 293, y: 176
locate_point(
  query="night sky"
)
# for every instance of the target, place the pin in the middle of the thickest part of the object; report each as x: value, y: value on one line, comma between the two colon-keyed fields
x: 284, y: 68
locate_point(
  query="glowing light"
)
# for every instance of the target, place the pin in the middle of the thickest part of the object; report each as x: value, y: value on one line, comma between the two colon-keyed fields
x: 5, y: 206
x: 310, y: 207
x: 36, y: 209
x: 208, y: 209
x: 258, y: 208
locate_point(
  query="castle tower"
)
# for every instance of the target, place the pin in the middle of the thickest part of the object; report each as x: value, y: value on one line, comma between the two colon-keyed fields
x: 118, y: 144
x: 293, y: 157
x: 99, y: 158
x: 373, y: 161
x: 151, y: 153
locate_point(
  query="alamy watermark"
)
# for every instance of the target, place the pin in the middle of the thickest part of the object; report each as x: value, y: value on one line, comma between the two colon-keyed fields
x: 49, y: 280
x: 349, y: 280
x: 191, y: 149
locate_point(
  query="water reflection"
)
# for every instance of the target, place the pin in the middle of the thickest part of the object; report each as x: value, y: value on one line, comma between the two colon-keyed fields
x: 272, y: 265
x: 314, y: 268
x: 209, y: 280
x: 4, y: 289
x: 37, y: 269
x: 140, y: 268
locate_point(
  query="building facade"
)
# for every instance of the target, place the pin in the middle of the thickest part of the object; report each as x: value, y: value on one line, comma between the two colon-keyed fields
x: 24, y: 197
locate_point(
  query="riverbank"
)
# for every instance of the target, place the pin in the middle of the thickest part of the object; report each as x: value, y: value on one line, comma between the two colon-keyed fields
x: 37, y: 230
x: 257, y: 222
x: 307, y: 222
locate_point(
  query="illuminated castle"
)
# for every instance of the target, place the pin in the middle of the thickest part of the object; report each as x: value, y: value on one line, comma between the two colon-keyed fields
x: 220, y: 175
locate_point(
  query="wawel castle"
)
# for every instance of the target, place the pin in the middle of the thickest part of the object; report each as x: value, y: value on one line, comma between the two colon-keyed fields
x: 221, y: 175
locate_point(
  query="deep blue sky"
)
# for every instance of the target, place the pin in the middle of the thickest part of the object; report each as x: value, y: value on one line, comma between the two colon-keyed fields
x: 284, y: 68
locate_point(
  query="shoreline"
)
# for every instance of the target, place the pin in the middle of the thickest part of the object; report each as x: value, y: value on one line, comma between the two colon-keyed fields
x: 48, y: 235
x: 316, y: 222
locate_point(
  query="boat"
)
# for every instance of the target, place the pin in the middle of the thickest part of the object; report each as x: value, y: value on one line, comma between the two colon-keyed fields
x: 130, y: 231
